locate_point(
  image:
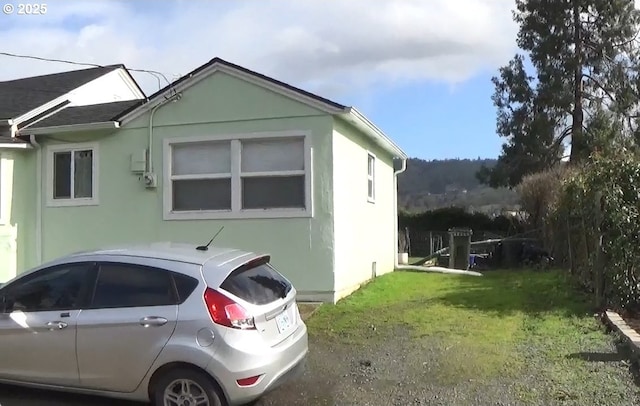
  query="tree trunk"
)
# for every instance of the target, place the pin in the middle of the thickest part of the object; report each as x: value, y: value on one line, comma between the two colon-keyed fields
x: 577, y: 137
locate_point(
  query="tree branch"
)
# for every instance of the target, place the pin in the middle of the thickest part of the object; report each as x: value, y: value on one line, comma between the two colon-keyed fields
x: 558, y: 141
x: 594, y: 80
x: 634, y: 38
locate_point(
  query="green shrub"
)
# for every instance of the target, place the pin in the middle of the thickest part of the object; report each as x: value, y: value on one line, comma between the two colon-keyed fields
x: 609, y: 185
x: 539, y: 194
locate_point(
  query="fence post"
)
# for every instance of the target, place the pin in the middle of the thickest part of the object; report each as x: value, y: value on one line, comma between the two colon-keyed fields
x: 408, y: 239
x: 570, y: 246
x: 598, y: 273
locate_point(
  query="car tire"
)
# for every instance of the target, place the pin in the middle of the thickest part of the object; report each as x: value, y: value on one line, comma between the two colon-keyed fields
x: 169, y: 388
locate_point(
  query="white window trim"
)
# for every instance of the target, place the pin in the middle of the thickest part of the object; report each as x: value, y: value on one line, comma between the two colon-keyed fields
x: 92, y: 201
x: 236, y: 211
x: 371, y: 177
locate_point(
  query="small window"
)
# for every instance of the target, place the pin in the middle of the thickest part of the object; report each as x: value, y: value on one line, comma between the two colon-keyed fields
x: 259, y: 284
x: 73, y: 175
x: 371, y: 177
x: 52, y: 289
x: 126, y: 285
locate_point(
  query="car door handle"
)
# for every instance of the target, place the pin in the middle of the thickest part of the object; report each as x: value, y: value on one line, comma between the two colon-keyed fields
x: 154, y: 321
x: 56, y: 325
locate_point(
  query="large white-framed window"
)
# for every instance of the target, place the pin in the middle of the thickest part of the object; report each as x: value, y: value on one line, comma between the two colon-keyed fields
x: 371, y: 177
x: 72, y: 174
x: 258, y: 175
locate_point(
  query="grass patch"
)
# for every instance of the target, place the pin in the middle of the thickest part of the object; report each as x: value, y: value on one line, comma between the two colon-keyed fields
x: 501, y: 325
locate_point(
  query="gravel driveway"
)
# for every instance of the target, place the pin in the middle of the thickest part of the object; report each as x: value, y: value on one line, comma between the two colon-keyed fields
x: 401, y: 371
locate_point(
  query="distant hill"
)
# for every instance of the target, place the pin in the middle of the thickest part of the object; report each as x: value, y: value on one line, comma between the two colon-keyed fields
x: 427, y: 185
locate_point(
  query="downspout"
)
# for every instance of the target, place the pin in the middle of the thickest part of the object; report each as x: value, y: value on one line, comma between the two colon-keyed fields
x: 403, y: 167
x: 149, y: 163
x: 32, y: 140
x: 395, y: 233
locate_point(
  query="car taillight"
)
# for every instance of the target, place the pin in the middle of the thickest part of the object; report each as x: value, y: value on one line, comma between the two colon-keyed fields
x: 224, y: 311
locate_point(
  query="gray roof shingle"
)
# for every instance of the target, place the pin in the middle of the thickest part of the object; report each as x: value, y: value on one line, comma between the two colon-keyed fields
x: 96, y: 113
x: 20, y: 96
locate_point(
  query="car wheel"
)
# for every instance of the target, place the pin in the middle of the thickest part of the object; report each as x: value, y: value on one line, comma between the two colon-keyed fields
x: 186, y: 387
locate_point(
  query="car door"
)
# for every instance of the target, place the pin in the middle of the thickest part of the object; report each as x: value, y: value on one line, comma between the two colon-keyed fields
x: 38, y: 324
x: 131, y: 317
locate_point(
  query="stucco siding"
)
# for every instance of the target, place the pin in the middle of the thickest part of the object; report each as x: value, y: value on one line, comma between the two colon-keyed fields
x: 364, y: 231
x: 8, y: 229
x: 17, y: 208
x: 302, y: 248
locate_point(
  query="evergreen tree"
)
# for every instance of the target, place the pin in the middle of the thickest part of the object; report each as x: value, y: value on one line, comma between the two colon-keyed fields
x: 584, y: 68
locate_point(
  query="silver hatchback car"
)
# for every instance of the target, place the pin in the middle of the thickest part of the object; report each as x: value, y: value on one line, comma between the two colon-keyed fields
x: 174, y: 324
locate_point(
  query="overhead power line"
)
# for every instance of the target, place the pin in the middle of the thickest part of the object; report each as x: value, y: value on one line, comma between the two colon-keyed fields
x: 156, y: 74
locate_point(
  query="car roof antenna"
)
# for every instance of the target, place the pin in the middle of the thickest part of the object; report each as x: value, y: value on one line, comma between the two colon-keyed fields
x: 206, y: 247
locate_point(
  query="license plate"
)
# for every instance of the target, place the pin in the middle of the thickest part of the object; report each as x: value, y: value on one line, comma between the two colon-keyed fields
x: 283, y: 321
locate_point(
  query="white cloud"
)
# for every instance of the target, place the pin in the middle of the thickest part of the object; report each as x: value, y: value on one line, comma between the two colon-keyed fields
x: 317, y: 44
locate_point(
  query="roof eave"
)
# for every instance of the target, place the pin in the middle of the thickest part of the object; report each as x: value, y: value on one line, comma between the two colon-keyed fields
x: 106, y: 125
x: 15, y: 145
x: 217, y: 65
x: 354, y: 117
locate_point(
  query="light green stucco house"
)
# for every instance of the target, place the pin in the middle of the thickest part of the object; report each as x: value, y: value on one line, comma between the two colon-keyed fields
x: 284, y: 171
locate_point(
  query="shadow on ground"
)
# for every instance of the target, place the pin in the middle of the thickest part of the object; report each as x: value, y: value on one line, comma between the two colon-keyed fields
x: 527, y: 291
x: 598, y: 356
x: 17, y: 396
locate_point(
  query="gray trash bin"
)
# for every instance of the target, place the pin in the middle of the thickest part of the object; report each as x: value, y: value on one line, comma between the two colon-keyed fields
x: 459, y: 248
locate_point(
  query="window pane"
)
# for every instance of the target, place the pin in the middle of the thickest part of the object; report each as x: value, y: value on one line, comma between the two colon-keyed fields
x: 202, y: 194
x: 371, y: 165
x: 185, y: 285
x: 62, y: 175
x: 370, y: 188
x: 266, y: 192
x: 123, y: 285
x: 56, y: 288
x: 83, y: 174
x: 273, y: 155
x: 201, y: 157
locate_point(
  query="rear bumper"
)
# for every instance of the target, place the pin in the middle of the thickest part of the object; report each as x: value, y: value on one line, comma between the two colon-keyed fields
x: 275, y: 366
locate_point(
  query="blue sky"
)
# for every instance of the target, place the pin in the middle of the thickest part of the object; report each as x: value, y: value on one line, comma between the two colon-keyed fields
x: 437, y: 121
x: 419, y: 69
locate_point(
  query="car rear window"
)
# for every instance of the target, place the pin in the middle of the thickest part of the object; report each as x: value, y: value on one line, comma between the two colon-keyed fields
x: 259, y: 284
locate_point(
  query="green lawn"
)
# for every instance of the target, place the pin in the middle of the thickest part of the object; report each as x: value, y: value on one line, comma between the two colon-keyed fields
x: 506, y: 324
